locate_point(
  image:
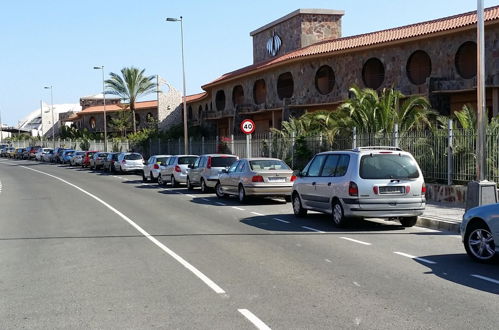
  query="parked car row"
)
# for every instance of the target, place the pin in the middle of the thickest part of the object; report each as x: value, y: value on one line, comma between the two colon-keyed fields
x: 367, y: 182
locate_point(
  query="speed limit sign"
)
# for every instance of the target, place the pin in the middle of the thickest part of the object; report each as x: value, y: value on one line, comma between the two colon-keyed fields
x: 247, y: 126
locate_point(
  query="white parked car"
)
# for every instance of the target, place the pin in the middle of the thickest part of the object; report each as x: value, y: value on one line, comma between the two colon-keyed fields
x: 368, y: 182
x: 77, y: 158
x: 175, y: 171
x: 42, y: 151
x: 153, y: 167
x: 129, y: 162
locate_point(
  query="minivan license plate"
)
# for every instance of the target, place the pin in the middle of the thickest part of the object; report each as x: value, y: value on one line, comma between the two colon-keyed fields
x: 392, y: 190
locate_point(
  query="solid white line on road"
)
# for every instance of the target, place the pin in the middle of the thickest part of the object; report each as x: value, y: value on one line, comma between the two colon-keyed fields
x: 253, y: 319
x: 255, y: 213
x: 415, y: 258
x: 190, y: 195
x: 238, y: 208
x: 356, y: 241
x: 312, y: 229
x: 222, y: 204
x: 277, y: 219
x: 485, y: 278
x: 175, y: 256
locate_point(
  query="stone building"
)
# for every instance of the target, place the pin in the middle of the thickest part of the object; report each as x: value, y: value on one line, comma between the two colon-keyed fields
x: 301, y: 63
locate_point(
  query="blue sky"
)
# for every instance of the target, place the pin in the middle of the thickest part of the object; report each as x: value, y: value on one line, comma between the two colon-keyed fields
x: 58, y: 42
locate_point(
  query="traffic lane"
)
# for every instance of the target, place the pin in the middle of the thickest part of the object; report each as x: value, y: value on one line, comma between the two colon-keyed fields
x: 110, y: 280
x: 192, y: 244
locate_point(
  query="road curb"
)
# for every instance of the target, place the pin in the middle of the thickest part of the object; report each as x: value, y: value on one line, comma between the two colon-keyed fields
x: 432, y: 223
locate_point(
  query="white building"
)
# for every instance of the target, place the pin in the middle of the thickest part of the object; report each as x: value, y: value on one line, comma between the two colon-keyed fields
x: 40, y: 123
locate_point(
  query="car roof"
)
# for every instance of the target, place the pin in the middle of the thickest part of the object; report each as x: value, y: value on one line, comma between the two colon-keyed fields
x: 260, y: 158
x: 218, y: 155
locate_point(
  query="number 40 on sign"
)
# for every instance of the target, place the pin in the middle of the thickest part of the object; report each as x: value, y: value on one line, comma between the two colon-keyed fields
x: 247, y: 126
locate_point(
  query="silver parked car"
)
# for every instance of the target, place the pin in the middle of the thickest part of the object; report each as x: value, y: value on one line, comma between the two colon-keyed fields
x: 480, y: 233
x: 265, y: 177
x: 97, y: 160
x: 153, y: 167
x: 204, y: 172
x: 368, y: 182
x: 129, y: 162
x: 108, y: 164
x: 42, y: 151
x: 175, y: 171
x: 77, y: 158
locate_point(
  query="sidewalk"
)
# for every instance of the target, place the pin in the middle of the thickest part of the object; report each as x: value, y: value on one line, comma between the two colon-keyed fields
x: 442, y: 216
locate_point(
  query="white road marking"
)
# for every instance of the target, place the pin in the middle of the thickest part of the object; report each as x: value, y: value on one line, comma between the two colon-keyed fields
x: 253, y: 319
x: 312, y: 229
x: 255, y: 213
x: 327, y: 260
x: 355, y: 241
x: 238, y: 208
x: 485, y: 278
x: 277, y: 219
x: 190, y: 195
x: 1, y: 187
x: 356, y: 284
x: 175, y: 256
x: 415, y: 258
x: 218, y: 203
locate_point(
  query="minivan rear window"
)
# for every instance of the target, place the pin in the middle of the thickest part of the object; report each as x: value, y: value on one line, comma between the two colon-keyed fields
x: 186, y: 160
x: 222, y: 161
x: 133, y: 157
x: 388, y: 166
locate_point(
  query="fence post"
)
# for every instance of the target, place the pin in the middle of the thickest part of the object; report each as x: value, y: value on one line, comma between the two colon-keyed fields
x: 354, y: 138
x: 232, y: 144
x: 320, y: 142
x: 270, y: 144
x: 216, y: 144
x: 449, y: 153
x: 202, y: 145
x: 396, y: 135
x: 293, y: 135
x: 190, y: 144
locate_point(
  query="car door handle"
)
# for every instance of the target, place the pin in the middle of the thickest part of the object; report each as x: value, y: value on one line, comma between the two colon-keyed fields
x: 329, y: 183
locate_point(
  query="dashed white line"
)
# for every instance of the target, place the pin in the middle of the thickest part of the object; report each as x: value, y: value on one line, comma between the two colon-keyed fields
x: 277, y: 219
x: 222, y: 204
x: 355, y: 241
x: 238, y: 208
x: 256, y: 213
x: 313, y: 229
x: 253, y: 319
x: 175, y: 256
x: 190, y: 195
x: 485, y: 278
x: 415, y: 258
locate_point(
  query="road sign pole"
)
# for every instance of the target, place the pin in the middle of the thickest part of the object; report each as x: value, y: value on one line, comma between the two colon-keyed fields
x: 248, y: 145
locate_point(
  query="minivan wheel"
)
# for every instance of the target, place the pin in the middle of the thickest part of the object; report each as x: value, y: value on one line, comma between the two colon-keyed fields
x: 479, y: 244
x: 339, y: 219
x: 408, y: 221
x: 242, y: 194
x: 298, y: 210
x: 204, y: 187
x: 219, y: 190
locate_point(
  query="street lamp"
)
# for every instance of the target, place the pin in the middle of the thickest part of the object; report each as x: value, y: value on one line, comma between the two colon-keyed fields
x: 186, y: 142
x: 104, y: 98
x: 52, y: 106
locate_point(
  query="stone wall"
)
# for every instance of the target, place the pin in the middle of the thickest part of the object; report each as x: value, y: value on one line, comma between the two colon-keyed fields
x: 169, y: 107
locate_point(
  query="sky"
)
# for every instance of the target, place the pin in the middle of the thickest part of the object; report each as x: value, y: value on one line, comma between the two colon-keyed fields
x: 58, y: 42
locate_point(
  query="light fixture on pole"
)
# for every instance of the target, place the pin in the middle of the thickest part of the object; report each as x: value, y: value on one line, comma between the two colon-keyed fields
x: 52, y: 107
x: 186, y: 135
x: 104, y: 98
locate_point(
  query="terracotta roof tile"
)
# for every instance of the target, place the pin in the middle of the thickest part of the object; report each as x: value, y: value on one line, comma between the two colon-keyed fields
x: 112, y: 108
x: 195, y: 97
x: 369, y: 39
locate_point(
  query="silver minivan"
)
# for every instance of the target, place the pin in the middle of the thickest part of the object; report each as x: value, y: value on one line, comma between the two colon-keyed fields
x: 367, y: 182
x: 204, y: 172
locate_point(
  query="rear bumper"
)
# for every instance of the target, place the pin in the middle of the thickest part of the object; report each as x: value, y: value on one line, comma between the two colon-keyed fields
x: 268, y: 190
x: 383, y: 209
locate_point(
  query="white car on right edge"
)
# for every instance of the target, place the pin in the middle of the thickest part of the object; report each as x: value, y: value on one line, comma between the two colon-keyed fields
x: 367, y: 182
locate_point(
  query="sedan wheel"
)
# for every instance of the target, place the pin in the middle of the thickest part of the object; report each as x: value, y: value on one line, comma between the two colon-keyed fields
x: 338, y: 216
x: 479, y: 244
x: 160, y: 180
x: 204, y: 187
x: 242, y: 194
x: 219, y: 190
x: 298, y: 210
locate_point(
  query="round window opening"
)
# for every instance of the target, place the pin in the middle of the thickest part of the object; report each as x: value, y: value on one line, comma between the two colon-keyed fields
x: 418, y: 67
x: 373, y: 73
x: 324, y: 79
x: 466, y: 60
x: 259, y: 91
x: 285, y: 85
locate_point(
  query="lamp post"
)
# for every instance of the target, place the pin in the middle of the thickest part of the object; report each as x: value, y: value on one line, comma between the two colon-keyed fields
x: 104, y: 98
x: 186, y: 139
x: 52, y: 107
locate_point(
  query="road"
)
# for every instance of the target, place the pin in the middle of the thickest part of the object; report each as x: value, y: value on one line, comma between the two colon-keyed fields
x: 83, y: 249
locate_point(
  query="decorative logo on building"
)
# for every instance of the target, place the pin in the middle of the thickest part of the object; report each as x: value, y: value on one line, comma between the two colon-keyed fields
x: 273, y: 44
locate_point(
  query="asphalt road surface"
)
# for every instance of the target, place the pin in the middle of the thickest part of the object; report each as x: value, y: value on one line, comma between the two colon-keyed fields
x: 81, y: 249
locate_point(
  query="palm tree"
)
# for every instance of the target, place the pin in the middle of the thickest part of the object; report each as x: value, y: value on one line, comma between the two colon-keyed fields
x: 131, y: 85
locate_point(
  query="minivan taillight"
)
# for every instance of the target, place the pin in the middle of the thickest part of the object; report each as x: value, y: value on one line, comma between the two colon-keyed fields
x: 423, y: 189
x: 178, y: 169
x: 257, y: 178
x: 208, y: 165
x: 353, y: 190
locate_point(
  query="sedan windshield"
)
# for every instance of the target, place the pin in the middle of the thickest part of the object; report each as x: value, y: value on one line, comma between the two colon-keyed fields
x: 268, y: 164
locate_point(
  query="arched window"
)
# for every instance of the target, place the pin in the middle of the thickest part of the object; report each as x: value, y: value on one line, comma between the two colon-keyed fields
x: 189, y: 112
x: 418, y: 67
x: 92, y: 122
x: 324, y: 79
x: 220, y: 100
x: 259, y: 91
x: 373, y: 73
x: 466, y: 60
x: 200, y: 110
x: 285, y: 85
x: 237, y: 95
